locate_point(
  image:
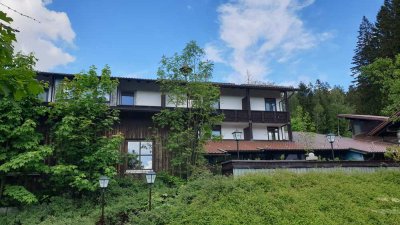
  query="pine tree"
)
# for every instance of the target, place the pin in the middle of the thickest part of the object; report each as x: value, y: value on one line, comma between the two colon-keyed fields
x: 365, y: 50
x: 387, y: 29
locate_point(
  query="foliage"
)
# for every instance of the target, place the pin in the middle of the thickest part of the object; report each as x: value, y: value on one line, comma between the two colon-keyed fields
x: 283, y: 198
x: 21, y: 149
x: 315, y: 108
x: 190, y: 124
x: 301, y: 121
x: 393, y: 152
x: 17, y: 77
x: 385, y: 73
x: 79, y: 121
x: 381, y: 40
x: 20, y: 194
x: 280, y: 198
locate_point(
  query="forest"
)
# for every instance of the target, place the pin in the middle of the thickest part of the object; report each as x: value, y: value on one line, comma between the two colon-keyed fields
x: 375, y: 89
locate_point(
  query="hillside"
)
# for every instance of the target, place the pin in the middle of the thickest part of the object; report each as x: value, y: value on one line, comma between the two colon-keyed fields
x: 282, y: 198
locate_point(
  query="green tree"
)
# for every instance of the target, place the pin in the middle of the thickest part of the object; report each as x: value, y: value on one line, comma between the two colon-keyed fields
x: 22, y: 152
x: 385, y: 73
x: 301, y: 121
x: 17, y: 77
x: 185, y: 80
x: 80, y: 121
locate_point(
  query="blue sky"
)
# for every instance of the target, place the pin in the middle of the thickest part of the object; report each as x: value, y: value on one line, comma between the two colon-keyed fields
x: 284, y: 41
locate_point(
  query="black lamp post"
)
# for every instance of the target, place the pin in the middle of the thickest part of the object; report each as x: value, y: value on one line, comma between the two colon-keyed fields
x: 150, y: 178
x: 331, y: 138
x: 103, y: 180
x: 237, y: 135
x: 398, y: 136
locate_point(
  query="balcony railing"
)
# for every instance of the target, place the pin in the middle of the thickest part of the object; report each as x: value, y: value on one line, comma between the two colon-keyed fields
x: 235, y: 115
x: 269, y: 117
x: 256, y: 116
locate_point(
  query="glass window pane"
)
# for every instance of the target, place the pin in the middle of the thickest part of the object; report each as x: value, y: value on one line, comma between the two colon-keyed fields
x: 270, y: 104
x: 133, y: 162
x: 147, y: 163
x: 146, y: 148
x: 216, y: 133
x: 127, y: 100
x: 133, y: 147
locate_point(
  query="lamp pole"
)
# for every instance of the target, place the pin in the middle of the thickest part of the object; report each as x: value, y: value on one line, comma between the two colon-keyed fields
x: 331, y: 138
x: 103, y: 181
x: 237, y: 135
x: 150, y: 178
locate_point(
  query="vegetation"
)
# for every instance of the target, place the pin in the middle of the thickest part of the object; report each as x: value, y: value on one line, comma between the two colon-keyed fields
x: 314, y: 108
x: 280, y: 198
x: 376, y: 42
x: 80, y: 120
x: 21, y: 149
x: 185, y: 80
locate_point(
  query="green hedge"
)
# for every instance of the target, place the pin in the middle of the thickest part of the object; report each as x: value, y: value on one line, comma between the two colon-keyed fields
x: 280, y: 198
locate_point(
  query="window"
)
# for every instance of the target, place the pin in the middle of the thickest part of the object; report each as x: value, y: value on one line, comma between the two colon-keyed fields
x: 273, y: 133
x: 127, y: 98
x: 143, y: 155
x: 270, y: 104
x: 44, y: 96
x: 216, y: 133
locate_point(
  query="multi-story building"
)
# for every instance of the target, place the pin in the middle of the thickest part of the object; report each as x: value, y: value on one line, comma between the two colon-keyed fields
x: 260, y: 112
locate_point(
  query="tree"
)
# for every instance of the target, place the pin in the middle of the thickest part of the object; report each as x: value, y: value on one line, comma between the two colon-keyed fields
x: 301, y: 121
x: 80, y: 120
x: 387, y: 31
x: 385, y: 73
x: 17, y: 77
x: 21, y: 149
x: 185, y: 80
x: 365, y: 49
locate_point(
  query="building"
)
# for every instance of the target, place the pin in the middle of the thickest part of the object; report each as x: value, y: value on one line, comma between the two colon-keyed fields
x: 260, y: 112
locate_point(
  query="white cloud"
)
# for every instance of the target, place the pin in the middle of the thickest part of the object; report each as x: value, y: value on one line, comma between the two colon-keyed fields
x: 44, y: 39
x: 259, y: 31
x: 213, y: 53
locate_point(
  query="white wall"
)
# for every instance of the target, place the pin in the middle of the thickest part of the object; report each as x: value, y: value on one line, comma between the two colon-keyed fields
x: 169, y: 103
x: 148, y: 98
x: 228, y: 128
x: 260, y: 132
x: 230, y: 102
x: 257, y: 103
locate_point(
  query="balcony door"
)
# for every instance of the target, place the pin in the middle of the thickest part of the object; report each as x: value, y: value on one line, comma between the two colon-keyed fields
x: 270, y: 104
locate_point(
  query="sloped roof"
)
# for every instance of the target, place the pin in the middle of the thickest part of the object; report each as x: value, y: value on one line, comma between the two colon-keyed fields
x: 363, y: 117
x: 300, y: 141
x: 378, y: 128
x: 227, y: 85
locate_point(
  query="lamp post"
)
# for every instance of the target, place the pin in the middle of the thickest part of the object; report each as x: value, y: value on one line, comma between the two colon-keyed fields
x: 331, y: 138
x: 237, y: 135
x: 150, y: 178
x: 103, y: 181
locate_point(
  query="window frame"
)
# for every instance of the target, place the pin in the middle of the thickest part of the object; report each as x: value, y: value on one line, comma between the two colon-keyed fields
x: 139, y: 156
x: 127, y: 93
x: 270, y: 100
x: 273, y: 133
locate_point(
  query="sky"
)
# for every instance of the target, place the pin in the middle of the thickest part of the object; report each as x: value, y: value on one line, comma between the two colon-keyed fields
x: 282, y: 42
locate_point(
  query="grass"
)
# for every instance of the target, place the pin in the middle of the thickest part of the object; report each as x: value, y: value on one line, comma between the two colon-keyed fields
x: 280, y: 198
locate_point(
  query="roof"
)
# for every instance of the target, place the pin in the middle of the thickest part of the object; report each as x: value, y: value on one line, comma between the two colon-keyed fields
x: 378, y: 128
x: 226, y: 85
x: 363, y: 117
x: 301, y: 141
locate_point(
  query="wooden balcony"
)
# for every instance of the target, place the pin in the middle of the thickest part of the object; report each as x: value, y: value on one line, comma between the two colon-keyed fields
x: 269, y: 117
x: 256, y: 116
x: 235, y: 115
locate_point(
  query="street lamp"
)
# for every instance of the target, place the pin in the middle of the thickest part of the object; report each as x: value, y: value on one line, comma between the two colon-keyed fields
x: 103, y: 181
x: 237, y: 135
x: 331, y: 138
x: 150, y: 178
